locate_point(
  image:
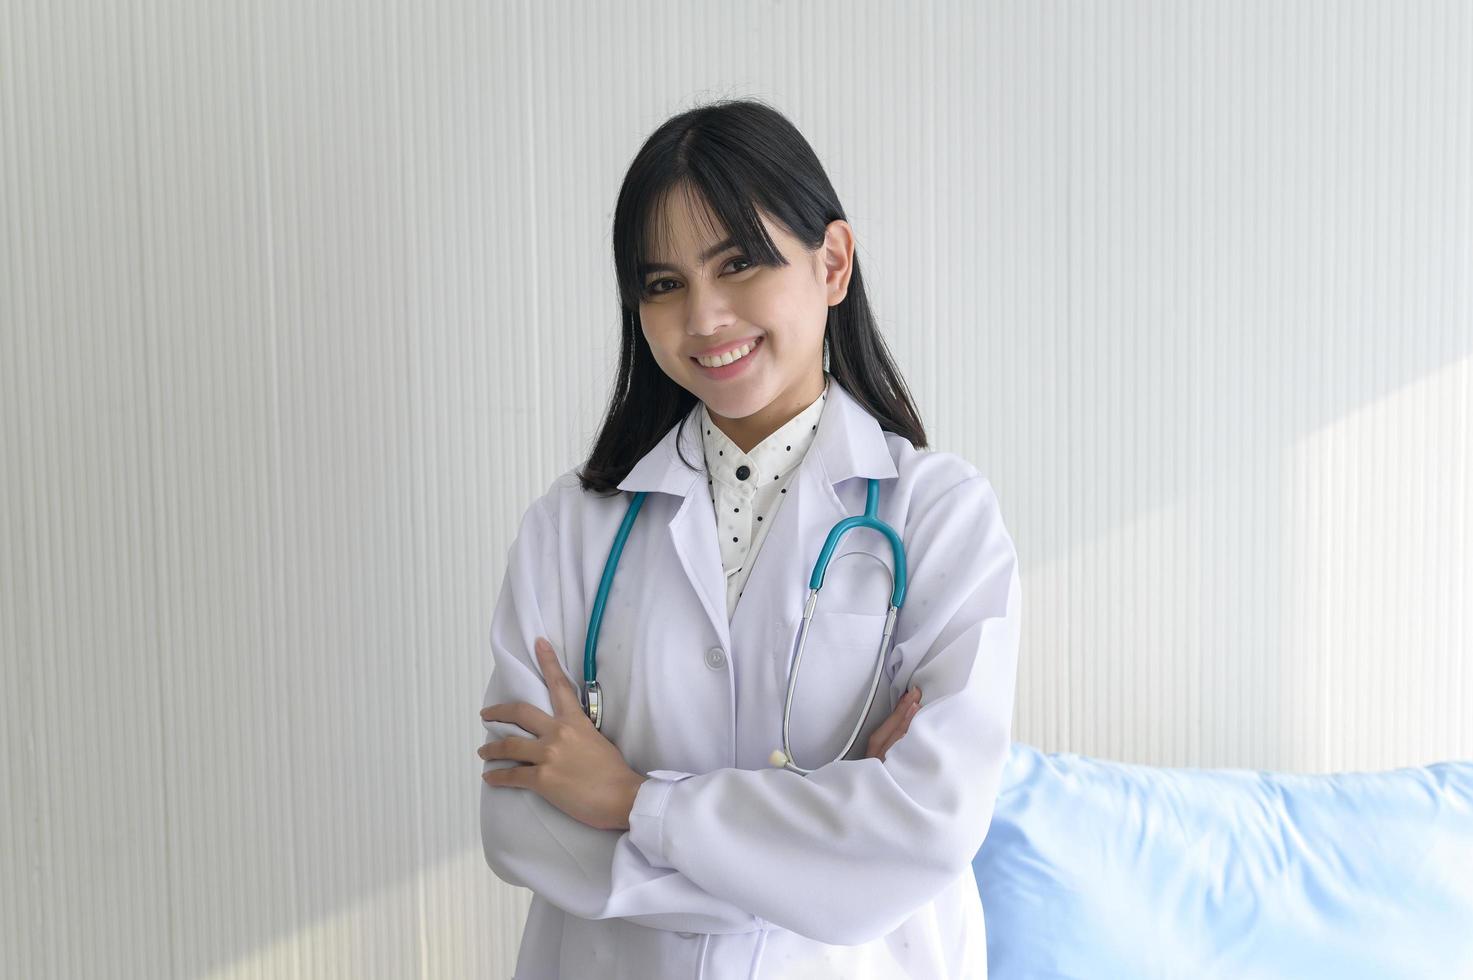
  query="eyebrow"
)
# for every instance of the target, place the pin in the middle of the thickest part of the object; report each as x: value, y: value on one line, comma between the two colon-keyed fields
x: 646, y: 268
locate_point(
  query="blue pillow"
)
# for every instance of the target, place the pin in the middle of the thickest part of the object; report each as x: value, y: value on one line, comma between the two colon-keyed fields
x: 1104, y: 869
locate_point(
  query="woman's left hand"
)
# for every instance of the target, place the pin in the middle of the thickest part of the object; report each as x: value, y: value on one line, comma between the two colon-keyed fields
x: 570, y: 763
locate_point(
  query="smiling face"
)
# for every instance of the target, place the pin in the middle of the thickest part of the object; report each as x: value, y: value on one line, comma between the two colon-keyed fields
x: 701, y: 297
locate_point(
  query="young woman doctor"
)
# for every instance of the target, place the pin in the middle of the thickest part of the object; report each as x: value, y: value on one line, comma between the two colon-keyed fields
x: 755, y: 406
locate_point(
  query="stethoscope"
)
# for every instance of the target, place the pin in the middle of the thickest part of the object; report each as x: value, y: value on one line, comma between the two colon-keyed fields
x: 592, y: 696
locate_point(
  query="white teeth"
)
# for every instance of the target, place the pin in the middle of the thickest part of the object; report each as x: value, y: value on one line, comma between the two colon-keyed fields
x: 724, y: 359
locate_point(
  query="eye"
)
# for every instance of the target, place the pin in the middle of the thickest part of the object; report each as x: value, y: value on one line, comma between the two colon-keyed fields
x: 650, y: 290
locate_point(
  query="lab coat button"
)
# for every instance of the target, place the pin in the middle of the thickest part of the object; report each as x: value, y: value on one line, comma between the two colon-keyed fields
x: 742, y: 472
x: 715, y: 658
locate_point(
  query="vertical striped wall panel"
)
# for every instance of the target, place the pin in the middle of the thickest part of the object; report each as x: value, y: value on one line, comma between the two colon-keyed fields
x: 302, y: 304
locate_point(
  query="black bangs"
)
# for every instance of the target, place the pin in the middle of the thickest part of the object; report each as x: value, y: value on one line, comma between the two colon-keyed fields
x: 737, y: 162
x: 725, y: 199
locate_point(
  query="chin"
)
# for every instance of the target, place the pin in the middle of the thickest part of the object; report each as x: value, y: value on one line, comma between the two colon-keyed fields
x: 737, y: 405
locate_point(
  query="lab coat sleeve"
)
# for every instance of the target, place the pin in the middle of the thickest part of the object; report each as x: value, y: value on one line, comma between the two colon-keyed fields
x: 845, y: 854
x: 592, y: 873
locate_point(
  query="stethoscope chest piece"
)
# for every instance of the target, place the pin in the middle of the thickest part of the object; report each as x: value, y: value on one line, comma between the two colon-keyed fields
x: 592, y: 697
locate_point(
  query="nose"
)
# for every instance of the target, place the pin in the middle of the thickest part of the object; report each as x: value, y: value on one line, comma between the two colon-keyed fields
x: 708, y: 312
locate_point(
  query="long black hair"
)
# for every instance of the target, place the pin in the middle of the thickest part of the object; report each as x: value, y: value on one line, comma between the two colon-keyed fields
x: 738, y: 156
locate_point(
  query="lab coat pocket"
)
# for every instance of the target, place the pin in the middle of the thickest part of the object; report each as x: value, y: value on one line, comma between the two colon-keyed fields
x: 833, y: 683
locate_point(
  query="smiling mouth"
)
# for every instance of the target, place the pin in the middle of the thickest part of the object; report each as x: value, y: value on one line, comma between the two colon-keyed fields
x: 720, y: 361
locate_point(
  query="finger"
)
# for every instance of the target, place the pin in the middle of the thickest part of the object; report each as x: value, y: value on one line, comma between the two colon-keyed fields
x: 905, y: 710
x: 559, y: 688
x: 881, y: 733
x: 904, y: 727
x: 527, y: 717
x: 512, y: 747
x: 905, y: 719
x: 894, y: 721
x: 520, y: 776
x: 905, y: 722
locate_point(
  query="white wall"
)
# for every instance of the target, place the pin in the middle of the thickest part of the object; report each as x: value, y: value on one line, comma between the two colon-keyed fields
x: 302, y: 304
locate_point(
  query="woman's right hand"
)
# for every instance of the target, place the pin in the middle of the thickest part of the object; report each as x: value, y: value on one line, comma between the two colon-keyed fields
x: 894, y: 726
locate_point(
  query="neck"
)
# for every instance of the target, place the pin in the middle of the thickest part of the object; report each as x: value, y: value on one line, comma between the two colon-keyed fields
x: 748, y: 432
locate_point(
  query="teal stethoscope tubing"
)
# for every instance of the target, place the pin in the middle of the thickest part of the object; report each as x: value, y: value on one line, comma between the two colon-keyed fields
x: 592, y: 695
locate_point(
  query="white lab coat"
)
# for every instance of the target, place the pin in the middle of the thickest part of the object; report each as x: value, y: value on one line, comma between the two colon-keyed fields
x: 732, y: 868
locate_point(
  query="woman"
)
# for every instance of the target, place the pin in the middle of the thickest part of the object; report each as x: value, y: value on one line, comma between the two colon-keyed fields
x: 670, y: 841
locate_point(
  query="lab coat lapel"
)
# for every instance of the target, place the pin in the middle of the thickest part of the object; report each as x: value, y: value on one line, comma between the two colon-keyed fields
x: 849, y: 443
x: 693, y: 535
x: 692, y: 529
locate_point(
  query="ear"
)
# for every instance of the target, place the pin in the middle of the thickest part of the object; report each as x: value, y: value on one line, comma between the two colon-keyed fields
x: 837, y: 257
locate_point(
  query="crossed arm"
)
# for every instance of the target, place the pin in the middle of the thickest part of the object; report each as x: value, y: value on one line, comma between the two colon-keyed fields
x: 842, y: 855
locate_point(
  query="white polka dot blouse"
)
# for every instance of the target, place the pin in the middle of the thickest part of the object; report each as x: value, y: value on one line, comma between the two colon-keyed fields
x: 748, y: 488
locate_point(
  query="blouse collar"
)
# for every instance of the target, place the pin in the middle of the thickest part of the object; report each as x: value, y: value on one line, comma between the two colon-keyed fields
x: 772, y: 458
